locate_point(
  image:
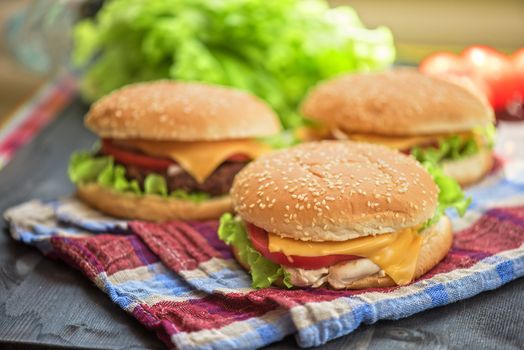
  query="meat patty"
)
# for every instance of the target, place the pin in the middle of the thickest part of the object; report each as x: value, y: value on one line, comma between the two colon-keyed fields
x: 218, y: 183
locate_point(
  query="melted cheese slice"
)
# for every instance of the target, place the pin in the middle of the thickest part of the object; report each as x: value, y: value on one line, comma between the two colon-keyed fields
x: 199, y: 159
x: 404, y: 142
x: 399, y: 142
x: 396, y: 253
x: 307, y: 133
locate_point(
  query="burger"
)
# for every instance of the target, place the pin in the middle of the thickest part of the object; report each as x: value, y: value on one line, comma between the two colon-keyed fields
x: 435, y: 120
x: 170, y: 150
x: 338, y: 214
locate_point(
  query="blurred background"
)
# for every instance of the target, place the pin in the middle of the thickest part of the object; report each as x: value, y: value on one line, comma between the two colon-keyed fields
x: 427, y: 26
x: 36, y: 35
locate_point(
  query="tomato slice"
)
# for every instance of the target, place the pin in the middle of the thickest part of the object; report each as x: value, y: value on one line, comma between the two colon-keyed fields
x: 128, y: 157
x: 124, y: 156
x: 260, y: 241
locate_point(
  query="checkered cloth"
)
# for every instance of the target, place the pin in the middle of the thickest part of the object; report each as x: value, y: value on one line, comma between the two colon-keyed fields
x: 180, y: 281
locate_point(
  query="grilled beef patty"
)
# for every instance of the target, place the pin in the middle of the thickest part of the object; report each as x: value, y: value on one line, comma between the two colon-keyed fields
x: 218, y: 183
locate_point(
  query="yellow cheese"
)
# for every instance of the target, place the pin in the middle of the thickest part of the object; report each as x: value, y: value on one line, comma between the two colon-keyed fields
x: 199, y: 159
x: 308, y: 133
x: 400, y: 143
x: 403, y: 142
x: 396, y: 253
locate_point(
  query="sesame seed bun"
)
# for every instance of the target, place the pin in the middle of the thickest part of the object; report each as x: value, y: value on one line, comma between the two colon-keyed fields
x: 177, y: 111
x: 150, y: 207
x: 397, y: 102
x: 470, y: 170
x: 334, y: 191
x: 436, y: 243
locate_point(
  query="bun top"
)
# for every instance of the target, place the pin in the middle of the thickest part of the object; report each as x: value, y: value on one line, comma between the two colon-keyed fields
x: 178, y: 111
x: 334, y: 191
x: 397, y: 102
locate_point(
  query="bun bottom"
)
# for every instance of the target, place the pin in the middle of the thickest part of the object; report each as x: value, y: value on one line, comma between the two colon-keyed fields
x: 435, y: 247
x: 150, y: 207
x: 469, y: 170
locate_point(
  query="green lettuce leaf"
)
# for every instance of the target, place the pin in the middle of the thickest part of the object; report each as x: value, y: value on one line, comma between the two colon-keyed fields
x: 155, y: 184
x: 113, y: 176
x: 450, y: 195
x: 84, y: 168
x: 489, y: 134
x: 455, y: 147
x: 274, y: 49
x: 263, y: 271
x: 282, y: 140
x: 451, y: 148
x: 197, y: 197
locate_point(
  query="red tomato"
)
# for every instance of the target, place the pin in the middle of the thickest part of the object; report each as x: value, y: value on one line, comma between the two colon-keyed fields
x: 444, y: 63
x: 518, y: 64
x: 496, y: 69
x: 124, y: 156
x: 453, y: 68
x: 260, y: 241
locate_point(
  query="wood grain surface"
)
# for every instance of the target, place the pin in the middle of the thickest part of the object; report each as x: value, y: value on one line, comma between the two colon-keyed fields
x: 47, y: 305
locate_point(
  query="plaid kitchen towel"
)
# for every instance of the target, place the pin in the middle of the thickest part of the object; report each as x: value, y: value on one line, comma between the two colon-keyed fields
x: 179, y: 280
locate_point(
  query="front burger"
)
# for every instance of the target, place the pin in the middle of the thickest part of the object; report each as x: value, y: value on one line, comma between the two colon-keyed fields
x: 435, y: 120
x: 337, y: 214
x: 170, y: 150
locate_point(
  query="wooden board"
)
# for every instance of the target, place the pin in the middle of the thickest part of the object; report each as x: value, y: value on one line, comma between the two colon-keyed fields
x: 46, y: 304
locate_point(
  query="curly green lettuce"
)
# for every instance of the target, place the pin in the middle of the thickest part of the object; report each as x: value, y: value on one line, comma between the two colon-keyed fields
x: 263, y: 271
x: 455, y: 147
x: 488, y: 133
x: 452, y: 148
x: 274, y: 49
x: 282, y: 140
x: 451, y: 195
x: 85, y: 168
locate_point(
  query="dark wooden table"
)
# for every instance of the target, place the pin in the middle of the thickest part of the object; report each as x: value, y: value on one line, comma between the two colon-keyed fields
x: 46, y: 304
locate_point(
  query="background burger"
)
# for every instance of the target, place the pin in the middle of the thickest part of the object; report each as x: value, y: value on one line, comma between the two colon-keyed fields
x: 435, y: 120
x: 338, y: 214
x: 170, y: 150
